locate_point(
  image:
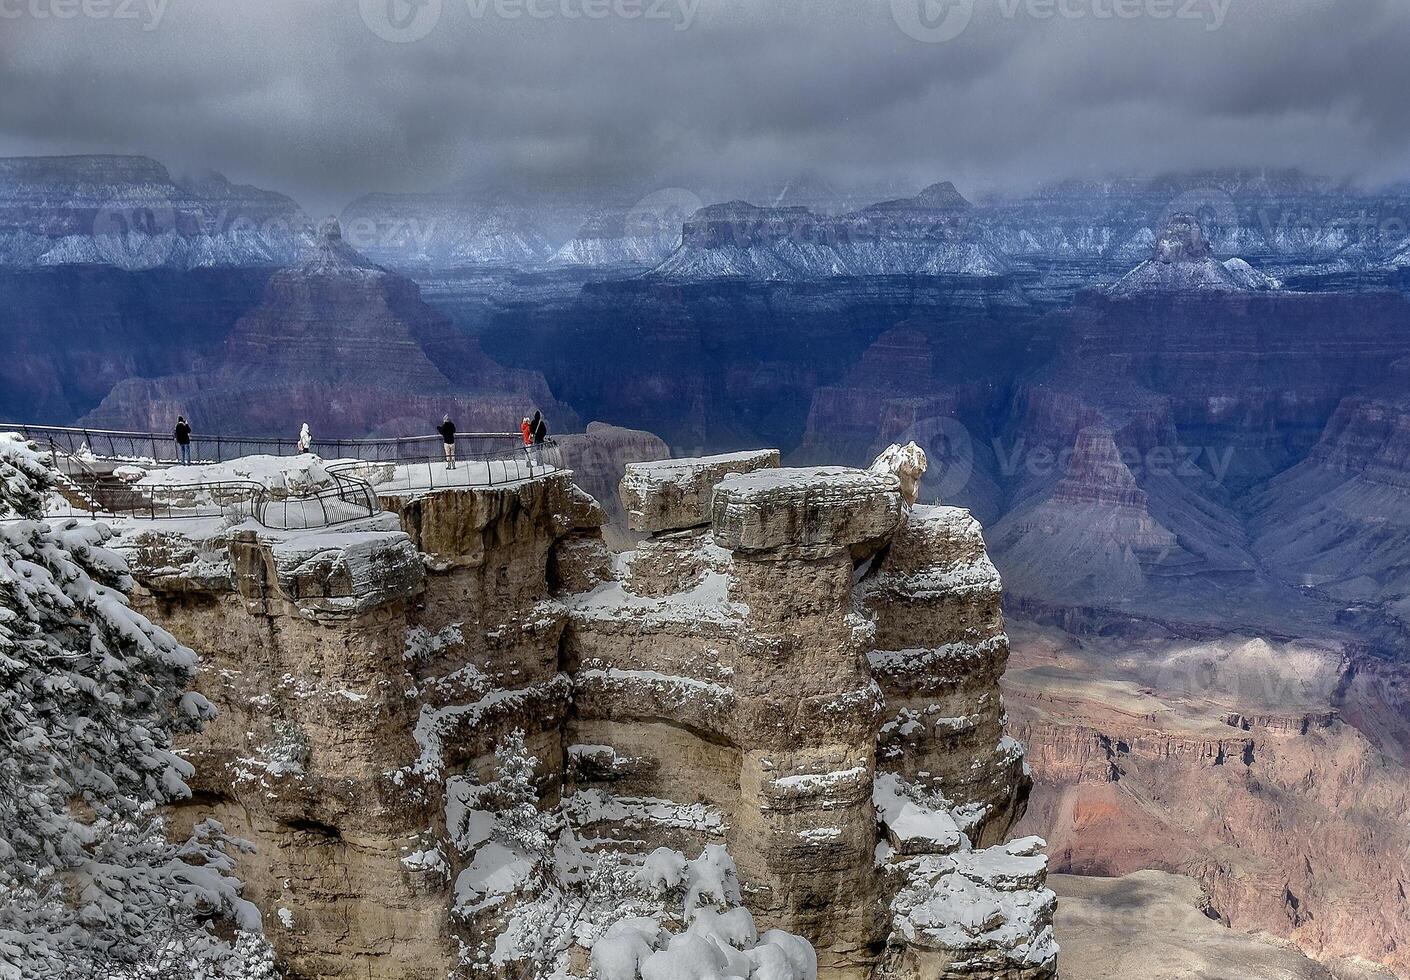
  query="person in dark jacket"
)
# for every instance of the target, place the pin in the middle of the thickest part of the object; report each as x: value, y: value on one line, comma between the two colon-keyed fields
x: 183, y: 440
x: 447, y: 431
x: 538, y: 429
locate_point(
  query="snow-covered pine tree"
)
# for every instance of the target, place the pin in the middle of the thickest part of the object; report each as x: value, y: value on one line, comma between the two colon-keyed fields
x: 91, y: 694
x: 515, y: 797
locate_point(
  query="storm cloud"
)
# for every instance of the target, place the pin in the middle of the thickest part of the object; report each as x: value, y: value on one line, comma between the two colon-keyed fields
x: 327, y: 99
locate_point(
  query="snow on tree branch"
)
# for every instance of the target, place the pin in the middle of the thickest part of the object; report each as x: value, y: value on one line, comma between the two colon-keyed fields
x: 91, y: 694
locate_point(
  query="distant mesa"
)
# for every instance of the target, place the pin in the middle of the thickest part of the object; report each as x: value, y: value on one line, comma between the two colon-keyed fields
x: 1182, y: 261
x: 346, y: 345
x: 941, y: 196
x: 129, y: 212
x: 929, y: 234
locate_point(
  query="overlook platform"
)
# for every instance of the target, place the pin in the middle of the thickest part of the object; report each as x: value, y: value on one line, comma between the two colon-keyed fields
x: 134, y: 475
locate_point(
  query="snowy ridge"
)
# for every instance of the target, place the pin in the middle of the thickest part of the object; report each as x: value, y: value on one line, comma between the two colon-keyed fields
x: 707, y: 602
x: 130, y: 213
x: 594, y: 806
x: 949, y: 660
x: 665, y: 689
x: 926, y: 235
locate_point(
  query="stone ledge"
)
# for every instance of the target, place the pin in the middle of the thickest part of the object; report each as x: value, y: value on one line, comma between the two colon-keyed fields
x: 674, y: 494
x: 820, y: 505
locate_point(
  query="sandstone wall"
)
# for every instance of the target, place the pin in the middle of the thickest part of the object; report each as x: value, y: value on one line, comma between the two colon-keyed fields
x: 796, y: 663
x: 800, y: 656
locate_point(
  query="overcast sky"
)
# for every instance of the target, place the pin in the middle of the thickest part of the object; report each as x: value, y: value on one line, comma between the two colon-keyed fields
x: 326, y: 99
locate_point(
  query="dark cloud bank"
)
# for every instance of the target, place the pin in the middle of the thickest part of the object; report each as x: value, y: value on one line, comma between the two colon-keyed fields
x: 326, y: 99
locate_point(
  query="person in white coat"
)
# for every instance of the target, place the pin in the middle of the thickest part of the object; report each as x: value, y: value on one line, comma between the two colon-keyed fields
x: 305, y: 439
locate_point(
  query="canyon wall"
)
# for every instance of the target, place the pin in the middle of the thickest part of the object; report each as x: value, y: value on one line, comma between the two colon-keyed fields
x: 800, y: 665
x: 1228, y: 760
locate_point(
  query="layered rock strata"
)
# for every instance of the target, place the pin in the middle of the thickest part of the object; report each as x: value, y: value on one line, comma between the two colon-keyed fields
x: 1233, y: 761
x: 822, y: 659
x: 796, y: 664
x: 345, y: 345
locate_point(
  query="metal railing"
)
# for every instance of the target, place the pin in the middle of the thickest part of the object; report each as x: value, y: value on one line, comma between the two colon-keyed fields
x: 348, y: 499
x: 110, y: 497
x: 88, y: 492
x: 470, y: 470
x: 86, y: 459
x: 121, y: 445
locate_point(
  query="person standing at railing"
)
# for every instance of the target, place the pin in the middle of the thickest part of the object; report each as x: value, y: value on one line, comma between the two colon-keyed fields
x: 305, y: 440
x: 447, y: 431
x: 528, y: 434
x: 538, y: 428
x: 183, y: 440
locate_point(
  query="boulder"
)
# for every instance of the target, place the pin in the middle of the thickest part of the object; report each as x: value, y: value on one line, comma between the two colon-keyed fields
x: 908, y: 464
x: 674, y: 494
x: 832, y: 506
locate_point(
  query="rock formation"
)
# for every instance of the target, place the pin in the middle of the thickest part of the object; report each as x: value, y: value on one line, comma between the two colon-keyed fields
x: 796, y: 663
x: 347, y: 346
x: 128, y: 213
x: 599, y: 457
x: 928, y: 235
x: 1182, y: 262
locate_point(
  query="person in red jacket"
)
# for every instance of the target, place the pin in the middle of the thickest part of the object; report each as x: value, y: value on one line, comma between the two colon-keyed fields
x: 528, y: 434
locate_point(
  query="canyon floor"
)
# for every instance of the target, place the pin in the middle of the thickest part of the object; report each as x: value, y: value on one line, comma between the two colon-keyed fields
x: 1227, y: 760
x: 1158, y: 926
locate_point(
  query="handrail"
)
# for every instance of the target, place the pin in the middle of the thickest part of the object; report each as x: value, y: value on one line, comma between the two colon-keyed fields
x: 350, y: 497
x: 121, y: 444
x: 113, y: 497
x: 110, y: 497
x: 471, y: 470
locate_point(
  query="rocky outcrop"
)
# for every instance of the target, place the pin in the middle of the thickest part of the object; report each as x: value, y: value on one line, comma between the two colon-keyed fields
x: 806, y: 673
x: 303, y: 640
x: 600, y: 456
x: 1182, y: 262
x: 743, y: 649
x: 678, y: 494
x: 356, y: 670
